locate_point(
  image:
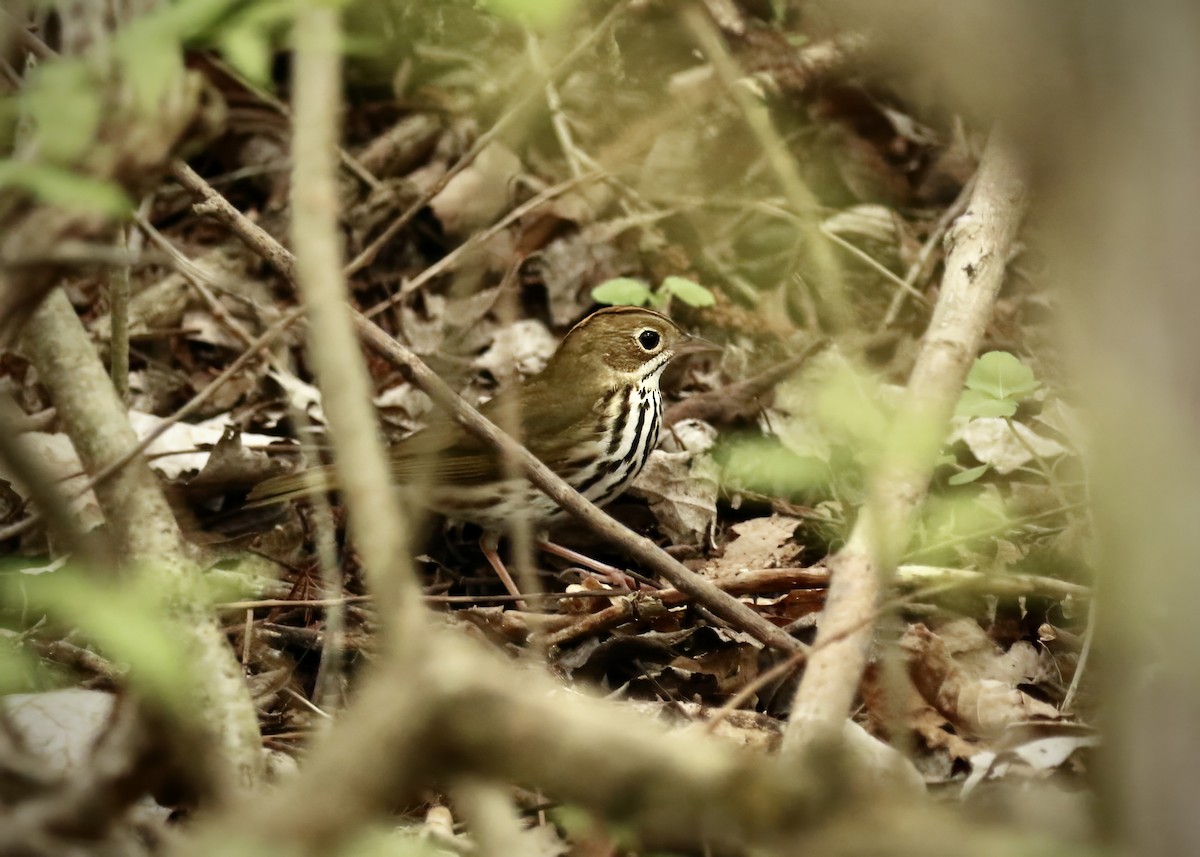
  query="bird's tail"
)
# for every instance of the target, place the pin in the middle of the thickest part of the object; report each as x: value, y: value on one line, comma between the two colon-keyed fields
x: 291, y: 486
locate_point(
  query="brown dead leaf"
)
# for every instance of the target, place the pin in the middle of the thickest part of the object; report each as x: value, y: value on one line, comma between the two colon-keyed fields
x: 682, y: 486
x: 896, y: 703
x: 479, y: 194
x: 955, y: 675
x: 760, y: 543
x: 232, y: 466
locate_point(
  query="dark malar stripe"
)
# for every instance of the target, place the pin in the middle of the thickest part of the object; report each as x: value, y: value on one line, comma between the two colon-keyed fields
x: 631, y: 453
x: 653, y: 439
x: 632, y: 458
x: 618, y: 428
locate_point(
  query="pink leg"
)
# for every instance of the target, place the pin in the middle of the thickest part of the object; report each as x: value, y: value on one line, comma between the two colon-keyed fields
x: 614, y: 575
x: 489, y: 551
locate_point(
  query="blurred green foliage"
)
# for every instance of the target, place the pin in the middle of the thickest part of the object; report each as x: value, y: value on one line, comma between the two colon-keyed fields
x: 20, y: 672
x: 63, y: 146
x: 829, y: 428
x: 127, y: 622
x: 65, y: 188
x: 133, y: 621
x: 62, y: 102
x: 537, y: 14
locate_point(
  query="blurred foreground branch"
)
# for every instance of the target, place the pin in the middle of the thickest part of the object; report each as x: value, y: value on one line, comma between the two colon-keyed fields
x: 475, y: 715
x: 143, y: 527
x: 376, y: 519
x: 980, y: 243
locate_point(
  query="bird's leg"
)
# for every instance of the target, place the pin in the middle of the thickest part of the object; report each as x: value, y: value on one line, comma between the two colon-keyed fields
x: 623, y: 579
x: 489, y: 544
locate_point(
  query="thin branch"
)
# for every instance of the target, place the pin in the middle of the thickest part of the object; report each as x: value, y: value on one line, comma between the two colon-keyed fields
x: 925, y: 254
x: 975, y: 269
x: 376, y: 520
x: 142, y: 524
x: 651, y: 603
x: 118, y: 299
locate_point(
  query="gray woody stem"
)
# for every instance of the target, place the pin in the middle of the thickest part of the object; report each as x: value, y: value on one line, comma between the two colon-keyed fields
x: 142, y: 525
x: 980, y: 243
x: 376, y: 520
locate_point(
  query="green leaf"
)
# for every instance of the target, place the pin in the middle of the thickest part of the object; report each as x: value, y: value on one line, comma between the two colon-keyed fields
x: 1002, y: 376
x: 64, y: 188
x: 764, y: 464
x: 184, y: 20
x: 945, y: 458
x: 248, y: 49
x: 966, y: 477
x: 852, y: 410
x: 538, y: 14
x: 128, y: 622
x: 692, y: 294
x: 153, y: 60
x: 20, y: 672
x: 64, y: 104
x: 622, y: 291
x: 975, y: 403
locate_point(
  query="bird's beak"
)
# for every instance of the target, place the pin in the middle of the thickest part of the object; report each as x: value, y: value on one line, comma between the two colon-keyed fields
x: 696, y: 345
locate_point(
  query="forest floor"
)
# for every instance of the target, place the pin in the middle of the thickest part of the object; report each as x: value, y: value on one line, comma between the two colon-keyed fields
x: 640, y: 170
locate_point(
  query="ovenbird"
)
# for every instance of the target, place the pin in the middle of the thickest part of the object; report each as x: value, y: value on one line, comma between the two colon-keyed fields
x: 592, y: 415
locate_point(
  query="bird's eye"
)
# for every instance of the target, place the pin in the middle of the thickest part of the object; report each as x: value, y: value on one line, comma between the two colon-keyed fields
x: 649, y: 339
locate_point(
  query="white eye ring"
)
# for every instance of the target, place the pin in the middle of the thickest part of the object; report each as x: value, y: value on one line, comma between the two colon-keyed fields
x: 649, y: 339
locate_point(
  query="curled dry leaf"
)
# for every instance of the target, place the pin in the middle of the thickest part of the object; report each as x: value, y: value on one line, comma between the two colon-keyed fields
x: 962, y: 686
x: 230, y: 466
x: 992, y: 441
x: 525, y: 346
x: 178, y: 449
x: 58, y: 460
x: 682, y: 486
x: 478, y: 195
x: 893, y: 703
